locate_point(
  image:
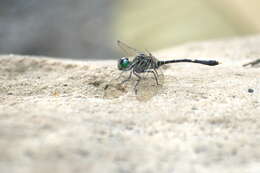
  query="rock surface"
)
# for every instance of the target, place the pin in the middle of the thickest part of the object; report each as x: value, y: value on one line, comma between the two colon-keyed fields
x: 55, y: 117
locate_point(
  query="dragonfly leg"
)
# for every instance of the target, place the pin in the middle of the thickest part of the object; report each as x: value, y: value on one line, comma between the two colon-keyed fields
x: 155, y: 74
x: 138, y: 81
x: 129, y: 77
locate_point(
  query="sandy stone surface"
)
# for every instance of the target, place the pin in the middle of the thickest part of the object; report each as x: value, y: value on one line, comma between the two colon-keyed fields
x: 56, y: 116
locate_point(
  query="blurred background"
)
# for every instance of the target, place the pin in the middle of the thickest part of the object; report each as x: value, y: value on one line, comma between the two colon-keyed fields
x: 88, y: 29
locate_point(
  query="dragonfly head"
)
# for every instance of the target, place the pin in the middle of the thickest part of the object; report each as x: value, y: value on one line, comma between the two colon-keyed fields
x: 123, y: 64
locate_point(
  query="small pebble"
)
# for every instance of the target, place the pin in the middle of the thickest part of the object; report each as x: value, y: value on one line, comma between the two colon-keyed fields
x: 194, y: 108
x: 250, y: 90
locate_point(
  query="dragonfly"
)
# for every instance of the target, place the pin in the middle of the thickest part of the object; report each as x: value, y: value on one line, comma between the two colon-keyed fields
x: 146, y: 67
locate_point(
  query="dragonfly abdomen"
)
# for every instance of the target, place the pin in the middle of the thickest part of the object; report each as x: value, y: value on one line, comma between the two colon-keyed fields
x: 204, y: 62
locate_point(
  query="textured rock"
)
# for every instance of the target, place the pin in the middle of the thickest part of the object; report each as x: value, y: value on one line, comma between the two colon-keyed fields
x: 54, y: 117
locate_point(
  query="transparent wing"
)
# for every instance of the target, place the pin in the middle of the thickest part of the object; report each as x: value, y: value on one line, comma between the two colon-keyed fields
x: 129, y: 51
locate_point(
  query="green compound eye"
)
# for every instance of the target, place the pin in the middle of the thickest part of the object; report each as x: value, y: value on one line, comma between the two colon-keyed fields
x: 123, y: 63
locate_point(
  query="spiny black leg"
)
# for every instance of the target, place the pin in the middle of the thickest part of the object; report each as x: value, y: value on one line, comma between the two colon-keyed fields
x: 129, y: 77
x: 154, y: 74
x: 138, y: 81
